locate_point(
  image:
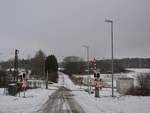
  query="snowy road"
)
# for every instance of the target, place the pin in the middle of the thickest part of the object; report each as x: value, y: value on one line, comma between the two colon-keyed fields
x: 61, y: 101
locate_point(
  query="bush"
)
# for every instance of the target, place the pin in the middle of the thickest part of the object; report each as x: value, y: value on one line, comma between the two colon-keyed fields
x: 144, y: 81
x: 19, y: 87
x: 53, y: 76
x: 138, y: 92
x: 4, y: 79
x: 143, y: 88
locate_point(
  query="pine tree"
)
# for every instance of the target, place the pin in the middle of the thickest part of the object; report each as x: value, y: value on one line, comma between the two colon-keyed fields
x: 51, y: 66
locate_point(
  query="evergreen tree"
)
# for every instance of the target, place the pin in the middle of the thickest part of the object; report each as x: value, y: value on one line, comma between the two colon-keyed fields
x: 51, y: 66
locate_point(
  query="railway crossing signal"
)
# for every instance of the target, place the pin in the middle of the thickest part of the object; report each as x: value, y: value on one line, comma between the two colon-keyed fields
x: 97, y: 83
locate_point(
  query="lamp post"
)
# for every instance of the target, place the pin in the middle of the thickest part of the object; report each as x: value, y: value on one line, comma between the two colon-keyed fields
x: 87, y: 48
x: 111, y: 22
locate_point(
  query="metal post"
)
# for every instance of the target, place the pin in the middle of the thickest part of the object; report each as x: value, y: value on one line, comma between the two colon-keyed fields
x: 89, y: 87
x: 47, y: 79
x: 111, y: 22
x: 24, y: 92
x: 112, y: 59
x: 16, y: 65
x: 46, y: 73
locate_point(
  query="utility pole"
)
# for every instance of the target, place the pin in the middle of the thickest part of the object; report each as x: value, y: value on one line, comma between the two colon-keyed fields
x: 47, y: 79
x: 16, y: 65
x: 46, y: 72
x: 111, y: 22
x: 88, y: 69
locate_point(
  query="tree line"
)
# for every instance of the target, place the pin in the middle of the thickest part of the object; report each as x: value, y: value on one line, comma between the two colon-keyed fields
x: 37, y: 65
x: 76, y: 65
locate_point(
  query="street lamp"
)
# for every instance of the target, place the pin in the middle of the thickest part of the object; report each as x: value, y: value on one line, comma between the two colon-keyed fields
x: 87, y: 48
x: 111, y: 22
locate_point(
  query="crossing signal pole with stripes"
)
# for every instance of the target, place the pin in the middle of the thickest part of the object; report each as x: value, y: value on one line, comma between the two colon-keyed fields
x: 97, y: 79
x: 94, y: 62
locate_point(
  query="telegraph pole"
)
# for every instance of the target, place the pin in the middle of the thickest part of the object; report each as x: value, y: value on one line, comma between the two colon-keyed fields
x: 16, y: 65
x: 46, y: 72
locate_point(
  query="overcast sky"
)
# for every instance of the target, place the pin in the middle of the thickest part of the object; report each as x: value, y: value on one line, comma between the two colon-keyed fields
x: 61, y: 27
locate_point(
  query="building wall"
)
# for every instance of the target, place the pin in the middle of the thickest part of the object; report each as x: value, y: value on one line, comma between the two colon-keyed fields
x: 125, y: 84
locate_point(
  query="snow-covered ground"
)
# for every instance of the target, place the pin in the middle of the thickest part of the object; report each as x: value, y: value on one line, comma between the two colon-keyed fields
x: 33, y: 101
x: 35, y: 98
x: 107, y: 104
x: 124, y: 104
x: 139, y: 70
x: 65, y: 81
x: 136, y: 71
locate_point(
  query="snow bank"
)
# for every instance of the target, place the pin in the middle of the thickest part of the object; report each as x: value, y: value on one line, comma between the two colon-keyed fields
x: 34, y: 99
x: 124, y: 104
x: 65, y: 81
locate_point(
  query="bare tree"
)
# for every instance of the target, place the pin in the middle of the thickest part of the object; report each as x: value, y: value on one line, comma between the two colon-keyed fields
x: 37, y: 64
x: 144, y: 82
